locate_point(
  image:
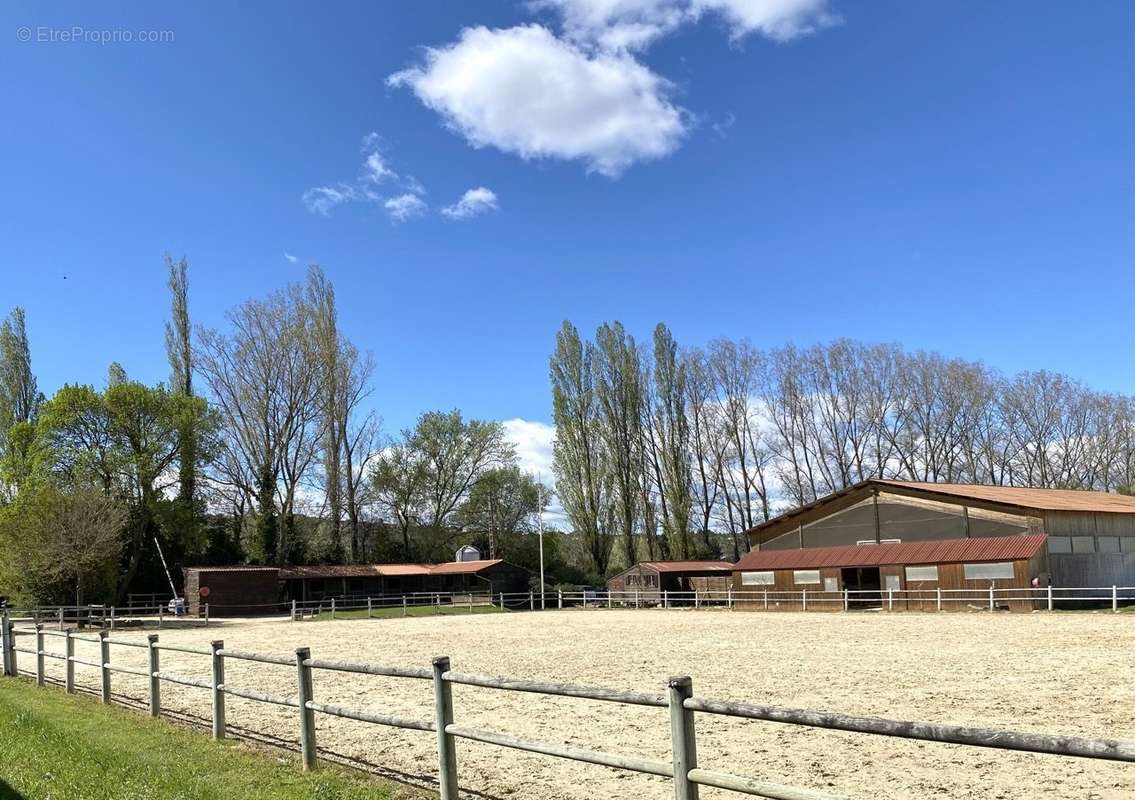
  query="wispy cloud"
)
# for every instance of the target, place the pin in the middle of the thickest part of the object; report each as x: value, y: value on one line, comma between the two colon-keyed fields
x: 404, y: 207
x: 291, y: 259
x: 375, y: 170
x: 473, y: 203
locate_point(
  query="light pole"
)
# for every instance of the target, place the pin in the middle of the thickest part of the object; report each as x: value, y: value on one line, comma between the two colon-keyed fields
x: 540, y: 517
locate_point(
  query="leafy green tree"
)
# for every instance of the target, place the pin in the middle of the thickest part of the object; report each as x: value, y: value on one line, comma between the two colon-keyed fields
x: 179, y: 353
x: 579, y: 457
x: 125, y: 441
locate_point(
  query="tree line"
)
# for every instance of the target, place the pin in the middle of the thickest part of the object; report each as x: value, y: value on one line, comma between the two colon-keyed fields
x: 262, y: 445
x: 668, y: 452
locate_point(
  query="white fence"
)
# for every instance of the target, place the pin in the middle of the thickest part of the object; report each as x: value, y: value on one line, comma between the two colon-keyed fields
x: 111, y: 617
x: 993, y: 599
x: 682, y: 769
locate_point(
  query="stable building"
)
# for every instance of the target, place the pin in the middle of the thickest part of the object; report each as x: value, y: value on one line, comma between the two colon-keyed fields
x: 244, y: 589
x: 872, y: 573
x: 650, y: 578
x: 863, y: 538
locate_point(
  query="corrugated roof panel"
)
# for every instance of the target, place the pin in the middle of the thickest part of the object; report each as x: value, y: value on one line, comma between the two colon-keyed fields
x: 1043, y: 499
x: 689, y: 566
x: 945, y: 551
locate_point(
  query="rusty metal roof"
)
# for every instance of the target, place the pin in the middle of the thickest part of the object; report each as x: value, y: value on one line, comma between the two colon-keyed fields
x: 1041, y: 499
x: 945, y: 551
x: 688, y: 566
x: 464, y: 567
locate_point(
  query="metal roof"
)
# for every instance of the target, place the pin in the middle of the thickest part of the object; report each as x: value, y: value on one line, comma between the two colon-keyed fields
x: 945, y: 551
x: 464, y: 567
x: 1025, y: 498
x: 688, y: 566
x: 1041, y: 499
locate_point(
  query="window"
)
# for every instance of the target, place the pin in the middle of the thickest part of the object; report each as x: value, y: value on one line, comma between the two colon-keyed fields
x: 988, y: 572
x: 922, y: 574
x: 632, y: 580
x: 758, y: 578
x: 1059, y: 544
x: 805, y: 576
x: 1083, y: 544
x: 831, y: 585
x: 1107, y: 544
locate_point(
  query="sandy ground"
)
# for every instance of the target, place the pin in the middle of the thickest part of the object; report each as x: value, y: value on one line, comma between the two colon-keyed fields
x: 1069, y: 674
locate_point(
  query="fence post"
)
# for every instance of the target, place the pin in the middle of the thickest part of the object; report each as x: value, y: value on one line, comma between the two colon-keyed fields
x: 39, y: 654
x: 307, y: 716
x: 443, y: 717
x: 610, y: 600
x: 112, y: 611
x: 4, y: 654
x: 890, y: 599
x: 61, y: 618
x: 206, y: 615
x: 766, y: 599
x: 559, y: 598
x: 369, y: 608
x: 161, y: 615
x: 13, y: 664
x: 332, y: 608
x: 1050, y: 597
x: 845, y: 599
x: 405, y: 608
x: 991, y: 597
x: 729, y: 597
x: 803, y: 599
x: 470, y: 601
x: 683, y: 742
x: 218, y: 692
x: 155, y: 682
x: 104, y: 661
x: 1114, y: 599
x: 69, y: 652
x: 697, y: 599
x: 531, y: 602
x: 938, y: 591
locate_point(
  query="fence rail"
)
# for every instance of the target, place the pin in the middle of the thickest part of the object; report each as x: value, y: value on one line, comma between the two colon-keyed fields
x: 682, y: 769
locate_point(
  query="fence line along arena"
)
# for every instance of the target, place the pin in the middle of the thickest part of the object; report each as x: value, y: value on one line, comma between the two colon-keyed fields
x: 891, y: 666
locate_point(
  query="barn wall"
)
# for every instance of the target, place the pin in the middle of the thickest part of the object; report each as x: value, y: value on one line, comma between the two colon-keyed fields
x: 233, y: 593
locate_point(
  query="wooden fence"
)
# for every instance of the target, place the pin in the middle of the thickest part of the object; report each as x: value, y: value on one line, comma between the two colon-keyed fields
x: 682, y: 769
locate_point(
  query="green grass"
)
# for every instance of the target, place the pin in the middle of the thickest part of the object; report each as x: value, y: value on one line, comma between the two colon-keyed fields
x: 55, y: 746
x: 412, y: 611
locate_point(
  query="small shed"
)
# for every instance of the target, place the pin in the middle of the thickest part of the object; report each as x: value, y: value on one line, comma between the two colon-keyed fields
x: 651, y: 578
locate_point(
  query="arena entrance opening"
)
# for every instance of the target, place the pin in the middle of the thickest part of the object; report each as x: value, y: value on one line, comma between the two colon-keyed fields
x: 866, y: 580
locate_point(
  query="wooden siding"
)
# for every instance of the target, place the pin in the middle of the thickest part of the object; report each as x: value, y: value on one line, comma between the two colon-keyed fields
x: 950, y: 576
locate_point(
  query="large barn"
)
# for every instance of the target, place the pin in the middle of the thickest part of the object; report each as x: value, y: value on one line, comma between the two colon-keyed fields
x: 883, y: 534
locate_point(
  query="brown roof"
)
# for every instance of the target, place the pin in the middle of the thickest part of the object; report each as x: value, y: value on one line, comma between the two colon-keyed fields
x: 233, y: 568
x: 1043, y: 499
x: 387, y: 570
x: 464, y: 567
x: 947, y: 551
x: 689, y: 566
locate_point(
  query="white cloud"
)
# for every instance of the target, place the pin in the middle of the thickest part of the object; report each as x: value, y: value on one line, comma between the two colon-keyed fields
x: 525, y: 91
x: 324, y: 199
x: 635, y: 24
x: 292, y: 259
x: 533, y: 443
x: 472, y: 203
x: 779, y: 20
x: 404, y: 206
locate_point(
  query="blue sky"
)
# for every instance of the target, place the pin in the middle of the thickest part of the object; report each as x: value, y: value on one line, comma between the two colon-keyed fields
x: 955, y: 177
